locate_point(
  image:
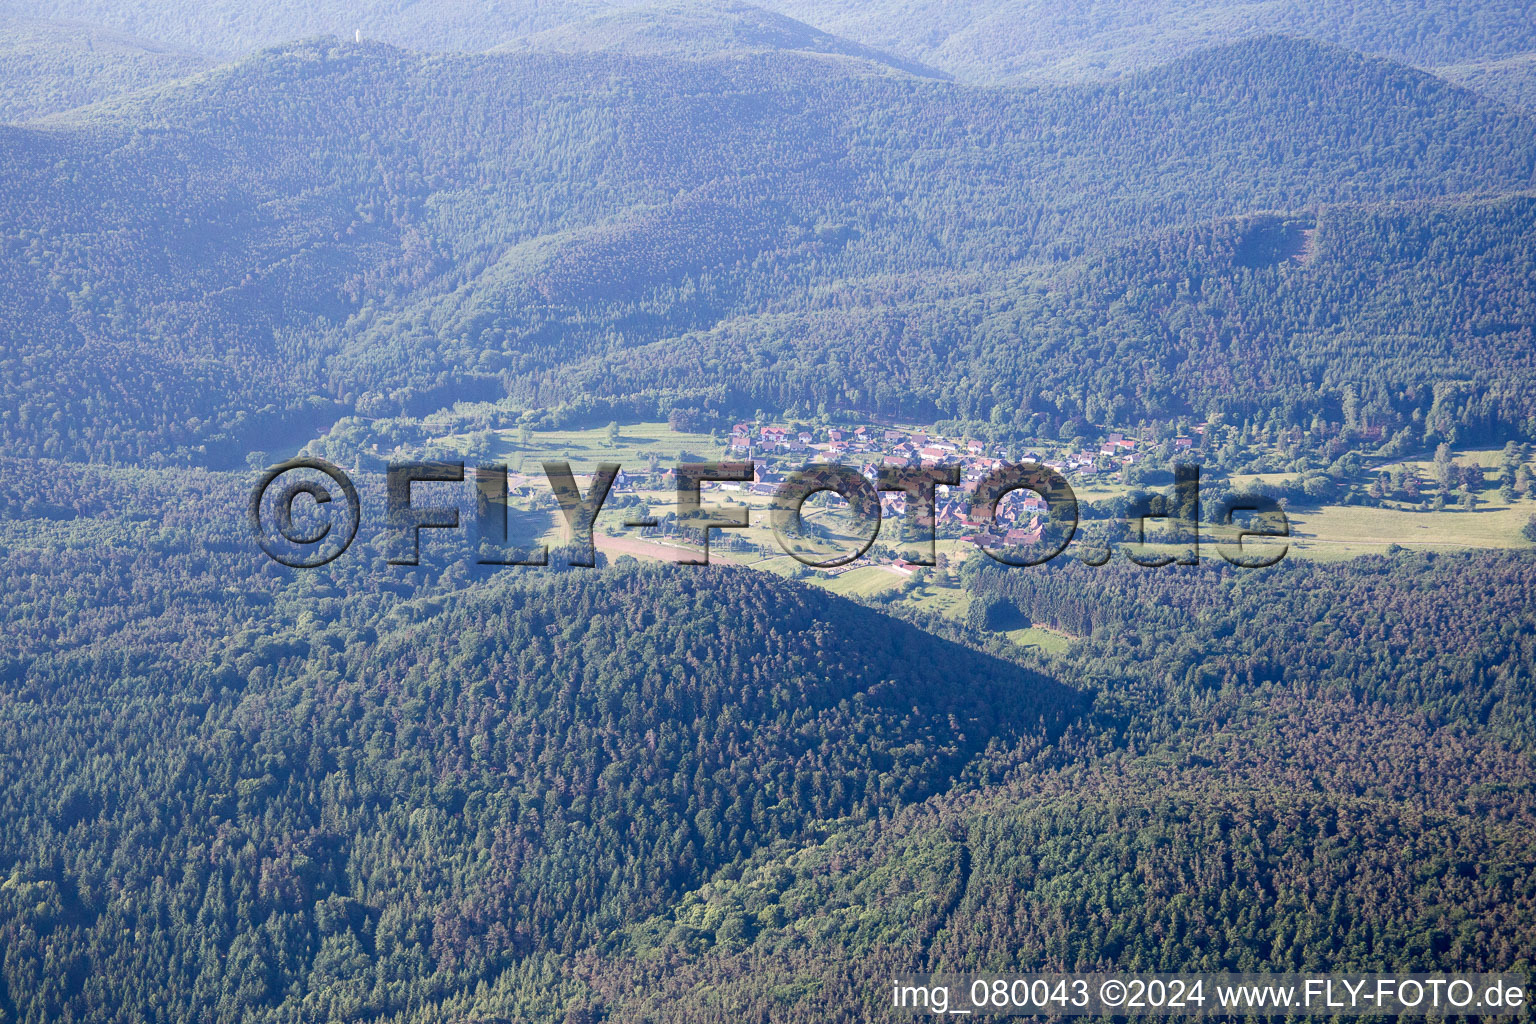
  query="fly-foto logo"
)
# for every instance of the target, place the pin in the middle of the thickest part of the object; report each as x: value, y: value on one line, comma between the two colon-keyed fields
x: 308, y: 534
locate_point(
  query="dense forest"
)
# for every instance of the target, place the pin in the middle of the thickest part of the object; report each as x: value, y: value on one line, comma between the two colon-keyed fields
x: 1510, y: 79
x: 46, y: 66
x: 1412, y: 319
x: 1322, y: 766
x: 1279, y: 240
x: 357, y: 806
x: 332, y: 227
x: 703, y: 31
x: 1000, y: 41
x: 238, y: 793
x: 981, y: 41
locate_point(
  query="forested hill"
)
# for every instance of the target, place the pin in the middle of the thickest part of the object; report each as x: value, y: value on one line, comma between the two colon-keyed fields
x: 989, y: 41
x: 459, y: 792
x: 702, y: 31
x: 1420, y: 313
x: 377, y: 807
x: 330, y: 226
x: 1053, y: 40
x: 48, y: 66
x: 1325, y: 765
x: 1510, y: 79
x: 645, y: 794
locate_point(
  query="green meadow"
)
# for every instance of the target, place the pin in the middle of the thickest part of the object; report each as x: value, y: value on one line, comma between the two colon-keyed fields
x: 1327, y: 533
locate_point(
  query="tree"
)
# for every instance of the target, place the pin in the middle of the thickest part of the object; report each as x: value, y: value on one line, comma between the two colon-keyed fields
x: 482, y: 446
x: 1445, y: 468
x: 1351, y: 407
x: 1512, y: 456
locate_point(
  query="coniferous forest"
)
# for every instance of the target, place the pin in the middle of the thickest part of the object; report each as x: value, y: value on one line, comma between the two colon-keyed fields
x: 1293, y: 243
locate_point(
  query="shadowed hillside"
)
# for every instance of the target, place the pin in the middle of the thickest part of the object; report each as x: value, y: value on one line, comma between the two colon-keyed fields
x: 367, y: 814
x: 332, y: 227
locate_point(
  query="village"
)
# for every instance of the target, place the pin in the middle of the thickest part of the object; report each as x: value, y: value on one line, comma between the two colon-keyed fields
x: 1431, y: 498
x: 777, y: 450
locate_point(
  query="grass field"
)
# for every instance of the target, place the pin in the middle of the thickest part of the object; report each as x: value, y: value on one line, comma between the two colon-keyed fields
x: 1340, y: 531
x: 584, y: 449
x: 1488, y: 458
x: 1048, y: 640
x: 1329, y: 533
x: 949, y: 601
x: 864, y: 581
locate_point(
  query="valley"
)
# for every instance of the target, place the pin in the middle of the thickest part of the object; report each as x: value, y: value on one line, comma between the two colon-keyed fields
x: 1292, y: 244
